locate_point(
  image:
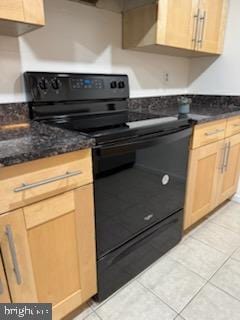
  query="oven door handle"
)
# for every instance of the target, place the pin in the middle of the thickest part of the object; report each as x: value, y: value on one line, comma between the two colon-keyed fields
x: 139, y: 143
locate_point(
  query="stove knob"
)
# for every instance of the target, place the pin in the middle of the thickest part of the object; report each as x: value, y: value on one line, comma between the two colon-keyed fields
x: 43, y: 84
x: 55, y: 84
x: 121, y: 85
x: 113, y: 84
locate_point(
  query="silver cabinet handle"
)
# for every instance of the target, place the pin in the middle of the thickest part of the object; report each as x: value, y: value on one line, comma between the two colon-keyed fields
x: 211, y: 133
x: 227, y: 156
x: 221, y: 168
x: 26, y: 186
x: 1, y: 287
x: 9, y: 234
x: 202, y: 21
x: 195, y: 27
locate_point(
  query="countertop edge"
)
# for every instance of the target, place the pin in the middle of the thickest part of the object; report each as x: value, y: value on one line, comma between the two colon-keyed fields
x: 39, y: 141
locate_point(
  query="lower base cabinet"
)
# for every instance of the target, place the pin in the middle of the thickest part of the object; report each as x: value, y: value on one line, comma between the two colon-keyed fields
x: 4, y: 292
x: 228, y: 179
x: 203, y: 174
x: 48, y: 252
x: 212, y: 177
x: 16, y: 257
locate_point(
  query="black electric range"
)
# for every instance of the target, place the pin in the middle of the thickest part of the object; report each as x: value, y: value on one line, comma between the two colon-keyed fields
x: 139, y: 166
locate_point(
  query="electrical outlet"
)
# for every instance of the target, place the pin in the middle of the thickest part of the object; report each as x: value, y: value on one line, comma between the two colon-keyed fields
x: 166, y: 77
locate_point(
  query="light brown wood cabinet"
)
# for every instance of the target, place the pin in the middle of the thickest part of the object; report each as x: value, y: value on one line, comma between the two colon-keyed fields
x: 212, y: 21
x: 12, y: 10
x: 16, y: 257
x: 233, y: 126
x: 202, y: 182
x: 20, y: 16
x: 228, y: 177
x: 183, y: 27
x: 213, y: 170
x: 66, y: 171
x: 4, y: 292
x: 48, y: 246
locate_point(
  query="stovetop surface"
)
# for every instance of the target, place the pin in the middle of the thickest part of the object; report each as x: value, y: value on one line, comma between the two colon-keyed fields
x: 139, y: 116
x: 138, y: 124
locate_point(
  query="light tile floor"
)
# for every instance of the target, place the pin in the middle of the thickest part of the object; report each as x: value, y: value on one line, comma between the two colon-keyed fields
x: 199, y: 279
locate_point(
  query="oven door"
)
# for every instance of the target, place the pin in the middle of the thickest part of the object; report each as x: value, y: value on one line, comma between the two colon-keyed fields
x: 138, y: 184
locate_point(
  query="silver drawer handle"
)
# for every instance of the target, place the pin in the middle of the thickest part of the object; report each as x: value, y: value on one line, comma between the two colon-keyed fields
x: 9, y: 234
x: 211, y: 133
x: 26, y: 186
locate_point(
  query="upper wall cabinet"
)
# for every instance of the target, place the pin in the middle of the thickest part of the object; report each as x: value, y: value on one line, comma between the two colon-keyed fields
x: 183, y: 27
x: 211, y: 25
x: 20, y: 16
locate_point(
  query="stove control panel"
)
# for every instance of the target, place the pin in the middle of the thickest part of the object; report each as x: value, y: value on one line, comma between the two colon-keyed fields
x: 81, y: 83
x: 54, y: 87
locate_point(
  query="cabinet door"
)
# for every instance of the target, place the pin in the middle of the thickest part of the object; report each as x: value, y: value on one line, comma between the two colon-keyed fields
x: 4, y: 293
x: 34, y: 11
x: 61, y: 240
x: 16, y: 257
x: 177, y: 23
x: 30, y: 11
x: 11, y: 10
x: 204, y: 164
x: 228, y: 179
x: 212, y: 25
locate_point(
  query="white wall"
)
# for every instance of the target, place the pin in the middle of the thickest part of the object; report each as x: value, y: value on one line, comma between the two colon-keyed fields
x: 220, y: 75
x: 79, y: 38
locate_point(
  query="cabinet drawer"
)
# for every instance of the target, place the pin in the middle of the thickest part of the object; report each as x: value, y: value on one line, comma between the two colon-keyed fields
x: 208, y: 133
x: 46, y: 210
x: 233, y: 126
x: 36, y: 180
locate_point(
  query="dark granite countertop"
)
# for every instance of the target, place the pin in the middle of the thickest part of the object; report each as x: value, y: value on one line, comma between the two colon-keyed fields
x: 29, y: 140
x: 203, y: 114
x: 22, y: 140
x: 200, y: 113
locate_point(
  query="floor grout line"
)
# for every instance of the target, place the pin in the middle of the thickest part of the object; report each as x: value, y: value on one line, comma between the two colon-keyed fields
x: 206, y: 279
x: 233, y: 254
x: 213, y: 247
x: 216, y: 286
x: 179, y: 315
x: 194, y: 296
x: 100, y: 318
x: 208, y: 282
x: 150, y: 290
x: 227, y: 293
x: 237, y: 260
x: 197, y: 274
x: 225, y: 227
x: 219, y: 269
x: 111, y: 296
